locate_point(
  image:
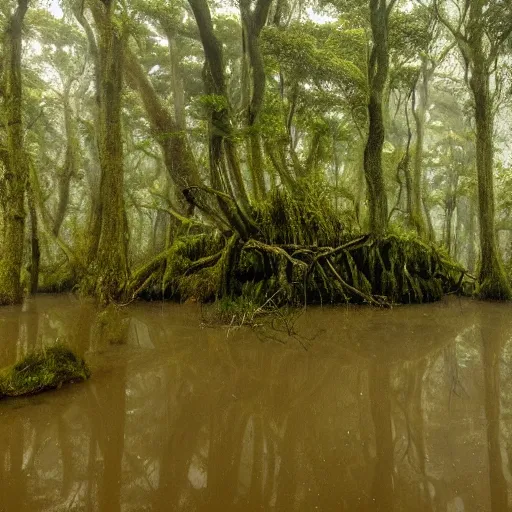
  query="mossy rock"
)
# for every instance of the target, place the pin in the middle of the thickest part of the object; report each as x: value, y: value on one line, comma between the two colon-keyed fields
x: 41, y: 370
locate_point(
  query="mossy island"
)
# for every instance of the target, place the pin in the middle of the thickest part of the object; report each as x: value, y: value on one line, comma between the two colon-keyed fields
x: 48, y: 368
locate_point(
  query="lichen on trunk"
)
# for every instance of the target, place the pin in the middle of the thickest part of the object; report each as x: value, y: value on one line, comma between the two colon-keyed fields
x: 110, y: 266
x: 15, y: 172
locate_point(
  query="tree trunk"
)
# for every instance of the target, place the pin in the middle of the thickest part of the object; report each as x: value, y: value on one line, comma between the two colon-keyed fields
x: 471, y: 236
x: 34, y: 243
x: 431, y: 232
x: 178, y: 157
x: 178, y: 93
x: 70, y: 162
x: 253, y: 22
x: 111, y: 259
x: 405, y: 166
x: 16, y: 171
x: 419, y: 118
x: 215, y: 84
x: 493, y: 283
x: 448, y: 223
x: 377, y: 76
x: 94, y: 221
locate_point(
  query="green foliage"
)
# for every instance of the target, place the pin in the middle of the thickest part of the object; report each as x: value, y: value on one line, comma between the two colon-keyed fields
x: 410, y: 33
x: 213, y: 103
x: 49, y: 30
x: 48, y: 368
x: 327, y: 54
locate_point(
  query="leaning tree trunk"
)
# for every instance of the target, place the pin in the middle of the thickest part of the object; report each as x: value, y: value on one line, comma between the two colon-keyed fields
x: 493, y: 282
x: 16, y: 169
x: 111, y: 266
x: 69, y: 168
x: 170, y: 135
x: 377, y: 76
x: 221, y: 132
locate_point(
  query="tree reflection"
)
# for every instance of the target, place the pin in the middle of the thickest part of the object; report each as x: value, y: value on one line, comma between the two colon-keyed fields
x: 494, y: 331
x: 379, y: 391
x: 360, y: 425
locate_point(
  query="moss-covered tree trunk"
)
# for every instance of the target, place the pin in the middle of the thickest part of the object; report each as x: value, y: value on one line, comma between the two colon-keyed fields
x: 493, y: 282
x: 221, y: 128
x: 377, y: 76
x: 492, y: 278
x: 480, y: 46
x: 253, y: 22
x: 177, y: 85
x: 94, y: 221
x: 170, y: 135
x: 111, y: 267
x: 70, y: 160
x: 16, y: 168
x: 471, y: 230
x: 35, y: 249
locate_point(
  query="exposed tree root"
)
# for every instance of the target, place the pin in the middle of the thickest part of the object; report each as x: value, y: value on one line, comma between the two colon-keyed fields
x: 296, y: 250
x: 364, y: 269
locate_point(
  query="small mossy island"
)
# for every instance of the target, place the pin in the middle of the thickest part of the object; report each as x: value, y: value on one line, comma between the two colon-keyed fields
x: 41, y: 370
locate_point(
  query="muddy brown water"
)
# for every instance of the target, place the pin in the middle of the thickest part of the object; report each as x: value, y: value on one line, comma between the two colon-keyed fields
x: 401, y: 410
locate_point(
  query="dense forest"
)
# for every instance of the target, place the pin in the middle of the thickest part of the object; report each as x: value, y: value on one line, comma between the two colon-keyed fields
x: 310, y: 150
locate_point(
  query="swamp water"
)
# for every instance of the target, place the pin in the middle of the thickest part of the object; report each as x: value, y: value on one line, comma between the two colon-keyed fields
x: 401, y: 410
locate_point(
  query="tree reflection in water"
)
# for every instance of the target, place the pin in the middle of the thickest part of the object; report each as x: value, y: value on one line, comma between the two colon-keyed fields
x: 394, y: 410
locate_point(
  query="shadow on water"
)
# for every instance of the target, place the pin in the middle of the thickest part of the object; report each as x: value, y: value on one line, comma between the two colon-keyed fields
x: 398, y: 410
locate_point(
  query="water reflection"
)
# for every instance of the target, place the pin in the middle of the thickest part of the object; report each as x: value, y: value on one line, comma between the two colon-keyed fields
x: 388, y: 410
x: 495, y: 332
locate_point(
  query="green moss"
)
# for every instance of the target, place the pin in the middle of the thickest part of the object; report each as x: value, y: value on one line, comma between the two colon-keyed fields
x: 203, y: 284
x: 303, y: 252
x: 305, y: 216
x: 49, y: 368
x: 494, y: 288
x: 56, y: 280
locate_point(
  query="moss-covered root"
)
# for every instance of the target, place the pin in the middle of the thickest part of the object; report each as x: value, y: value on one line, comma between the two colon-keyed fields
x: 41, y: 370
x: 495, y: 287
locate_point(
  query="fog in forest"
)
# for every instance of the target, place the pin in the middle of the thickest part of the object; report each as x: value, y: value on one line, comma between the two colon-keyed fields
x: 130, y: 126
x: 228, y: 217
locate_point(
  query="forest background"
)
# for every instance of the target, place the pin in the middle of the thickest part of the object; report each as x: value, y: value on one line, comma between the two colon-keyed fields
x: 321, y: 151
